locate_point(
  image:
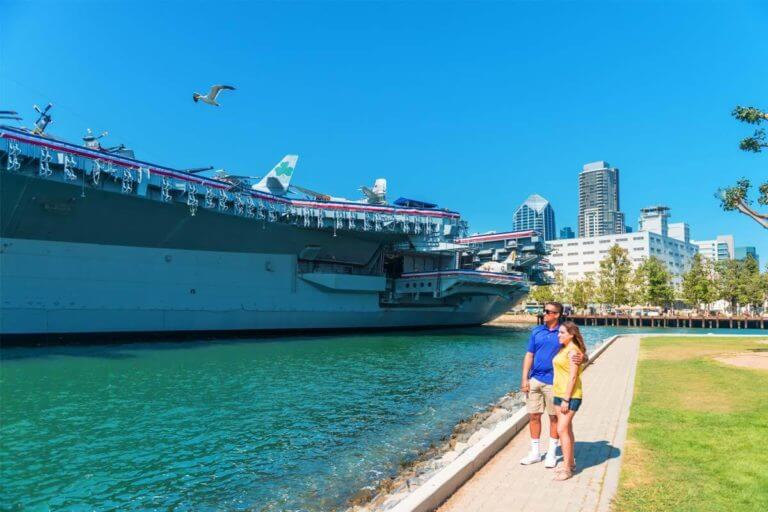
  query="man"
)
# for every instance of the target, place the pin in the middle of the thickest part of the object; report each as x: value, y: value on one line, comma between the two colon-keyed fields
x: 538, y: 374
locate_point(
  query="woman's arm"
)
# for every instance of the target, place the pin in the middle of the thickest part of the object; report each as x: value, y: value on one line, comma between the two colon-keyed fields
x: 573, y: 374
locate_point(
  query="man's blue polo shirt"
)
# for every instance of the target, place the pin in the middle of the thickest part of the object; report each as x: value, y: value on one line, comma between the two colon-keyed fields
x: 544, y: 346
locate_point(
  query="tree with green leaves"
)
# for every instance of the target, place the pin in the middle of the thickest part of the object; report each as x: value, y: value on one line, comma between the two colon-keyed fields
x: 636, y: 288
x: 728, y: 285
x: 751, y: 115
x: 613, y: 277
x: 656, y: 283
x: 751, y: 290
x: 697, y: 286
x: 736, y: 198
x: 582, y: 291
x: 542, y: 294
x: 560, y: 289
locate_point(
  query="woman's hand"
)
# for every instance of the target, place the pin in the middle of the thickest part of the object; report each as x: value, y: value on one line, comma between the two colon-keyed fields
x: 564, y: 406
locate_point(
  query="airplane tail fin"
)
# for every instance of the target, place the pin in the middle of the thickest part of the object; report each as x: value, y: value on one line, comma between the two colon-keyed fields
x: 278, y: 179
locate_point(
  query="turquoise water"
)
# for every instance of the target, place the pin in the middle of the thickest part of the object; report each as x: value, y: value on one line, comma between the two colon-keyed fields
x: 296, y: 423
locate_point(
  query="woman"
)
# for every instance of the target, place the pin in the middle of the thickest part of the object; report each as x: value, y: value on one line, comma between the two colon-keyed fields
x: 567, y: 392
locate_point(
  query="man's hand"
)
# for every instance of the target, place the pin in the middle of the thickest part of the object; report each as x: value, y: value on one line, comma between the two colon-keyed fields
x: 564, y: 407
x: 577, y: 357
x: 525, y: 386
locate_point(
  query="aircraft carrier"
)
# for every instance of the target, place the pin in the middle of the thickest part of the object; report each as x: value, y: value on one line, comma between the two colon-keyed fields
x: 95, y: 241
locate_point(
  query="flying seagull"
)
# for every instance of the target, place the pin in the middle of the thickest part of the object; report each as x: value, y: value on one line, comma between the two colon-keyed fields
x: 210, y: 98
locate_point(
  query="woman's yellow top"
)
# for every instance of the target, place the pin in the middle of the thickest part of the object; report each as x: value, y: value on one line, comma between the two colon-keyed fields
x: 562, y: 366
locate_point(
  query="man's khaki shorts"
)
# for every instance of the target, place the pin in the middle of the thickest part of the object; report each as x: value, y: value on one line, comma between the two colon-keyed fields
x: 540, y: 398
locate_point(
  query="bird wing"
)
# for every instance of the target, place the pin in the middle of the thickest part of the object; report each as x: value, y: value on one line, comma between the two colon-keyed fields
x: 216, y: 89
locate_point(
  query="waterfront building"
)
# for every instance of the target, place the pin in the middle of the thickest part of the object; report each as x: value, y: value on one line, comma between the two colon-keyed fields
x: 741, y: 253
x: 537, y: 214
x: 599, y: 212
x: 566, y: 233
x: 680, y: 231
x: 721, y: 248
x: 654, y: 219
x: 580, y: 256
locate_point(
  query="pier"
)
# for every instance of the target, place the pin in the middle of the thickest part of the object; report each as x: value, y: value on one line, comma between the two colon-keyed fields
x: 682, y: 322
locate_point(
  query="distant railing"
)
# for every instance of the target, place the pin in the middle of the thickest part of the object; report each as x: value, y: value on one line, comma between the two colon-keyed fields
x: 672, y: 322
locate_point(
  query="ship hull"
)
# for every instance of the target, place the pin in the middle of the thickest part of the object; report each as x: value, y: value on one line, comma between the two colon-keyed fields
x: 51, y: 288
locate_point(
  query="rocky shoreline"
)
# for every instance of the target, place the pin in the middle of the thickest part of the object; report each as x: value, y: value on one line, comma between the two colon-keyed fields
x: 388, y: 492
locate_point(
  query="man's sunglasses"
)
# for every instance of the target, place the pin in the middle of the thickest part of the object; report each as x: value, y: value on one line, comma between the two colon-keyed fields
x: 551, y: 312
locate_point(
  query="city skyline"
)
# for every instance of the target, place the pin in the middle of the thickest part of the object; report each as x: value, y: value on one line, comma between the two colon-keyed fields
x: 471, y: 106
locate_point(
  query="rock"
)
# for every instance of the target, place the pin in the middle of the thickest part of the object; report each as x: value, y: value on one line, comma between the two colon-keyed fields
x: 393, y: 500
x: 361, y: 497
x: 449, y: 457
x: 512, y: 403
x: 460, y: 447
x: 477, y: 436
x: 498, y: 414
x: 463, y: 437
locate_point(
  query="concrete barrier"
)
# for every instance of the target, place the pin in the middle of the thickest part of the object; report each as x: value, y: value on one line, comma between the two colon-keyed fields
x: 445, y: 482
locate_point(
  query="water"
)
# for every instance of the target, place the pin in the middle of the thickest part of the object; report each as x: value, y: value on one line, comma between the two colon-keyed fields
x: 274, y: 424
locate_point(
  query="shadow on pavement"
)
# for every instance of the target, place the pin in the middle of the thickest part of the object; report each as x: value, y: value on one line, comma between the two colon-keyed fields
x: 594, y: 453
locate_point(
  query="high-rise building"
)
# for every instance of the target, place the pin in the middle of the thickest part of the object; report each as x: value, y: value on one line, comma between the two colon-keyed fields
x: 599, y: 212
x: 742, y: 252
x: 566, y: 233
x: 680, y: 231
x: 535, y: 213
x: 654, y: 219
x: 721, y: 248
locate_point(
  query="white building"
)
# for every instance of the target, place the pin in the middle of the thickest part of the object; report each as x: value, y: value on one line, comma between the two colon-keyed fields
x: 721, y: 248
x: 654, y: 219
x: 576, y: 257
x: 680, y: 231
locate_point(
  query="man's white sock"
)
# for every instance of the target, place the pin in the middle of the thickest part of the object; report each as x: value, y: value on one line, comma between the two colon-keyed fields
x: 553, y: 444
x: 534, y: 446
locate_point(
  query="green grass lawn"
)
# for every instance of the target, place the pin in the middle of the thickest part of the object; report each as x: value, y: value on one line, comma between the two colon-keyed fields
x: 698, y: 429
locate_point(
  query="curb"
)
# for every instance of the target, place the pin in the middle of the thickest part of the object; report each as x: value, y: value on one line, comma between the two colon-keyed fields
x: 447, y: 481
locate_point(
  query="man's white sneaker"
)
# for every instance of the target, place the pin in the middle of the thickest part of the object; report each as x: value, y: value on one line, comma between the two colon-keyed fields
x: 550, y: 460
x: 531, y: 458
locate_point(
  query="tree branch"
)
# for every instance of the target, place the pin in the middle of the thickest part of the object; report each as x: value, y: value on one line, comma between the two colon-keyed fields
x: 746, y: 210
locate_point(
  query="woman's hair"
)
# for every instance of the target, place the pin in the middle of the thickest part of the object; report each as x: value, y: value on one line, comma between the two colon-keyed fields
x: 574, y: 331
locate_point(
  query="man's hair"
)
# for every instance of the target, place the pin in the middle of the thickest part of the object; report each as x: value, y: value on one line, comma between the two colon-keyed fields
x: 556, y: 304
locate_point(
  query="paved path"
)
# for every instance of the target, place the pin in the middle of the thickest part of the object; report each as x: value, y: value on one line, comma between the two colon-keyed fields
x: 600, y: 428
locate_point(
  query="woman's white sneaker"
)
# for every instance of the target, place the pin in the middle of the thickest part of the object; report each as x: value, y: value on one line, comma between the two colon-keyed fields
x: 531, y: 458
x: 550, y: 460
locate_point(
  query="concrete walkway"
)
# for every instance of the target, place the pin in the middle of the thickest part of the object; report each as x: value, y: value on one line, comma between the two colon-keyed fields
x: 600, y: 428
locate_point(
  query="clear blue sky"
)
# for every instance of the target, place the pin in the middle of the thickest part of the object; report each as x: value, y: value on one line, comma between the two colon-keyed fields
x: 472, y: 105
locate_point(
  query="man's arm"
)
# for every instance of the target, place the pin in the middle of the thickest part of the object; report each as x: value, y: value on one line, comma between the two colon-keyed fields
x: 527, y: 363
x: 579, y: 358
